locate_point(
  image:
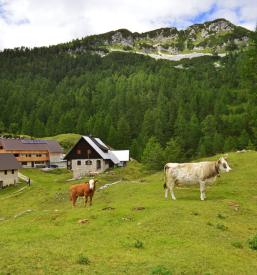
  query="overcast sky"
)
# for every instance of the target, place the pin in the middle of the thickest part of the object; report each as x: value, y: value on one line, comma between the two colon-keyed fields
x: 47, y: 22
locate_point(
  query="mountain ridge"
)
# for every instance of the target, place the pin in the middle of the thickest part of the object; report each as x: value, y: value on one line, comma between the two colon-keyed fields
x: 212, y: 37
x: 217, y: 36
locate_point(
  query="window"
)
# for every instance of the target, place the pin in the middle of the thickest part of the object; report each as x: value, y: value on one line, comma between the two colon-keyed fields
x: 1, y: 147
x: 79, y: 162
x: 38, y: 155
x: 88, y: 162
x: 98, y: 164
x: 5, y: 172
x: 16, y: 155
x: 24, y: 163
x: 78, y: 151
x: 12, y: 171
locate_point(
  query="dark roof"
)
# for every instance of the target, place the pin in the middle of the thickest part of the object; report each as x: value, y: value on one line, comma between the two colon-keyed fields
x: 31, y: 145
x: 100, y: 145
x: 54, y: 146
x: 8, y: 162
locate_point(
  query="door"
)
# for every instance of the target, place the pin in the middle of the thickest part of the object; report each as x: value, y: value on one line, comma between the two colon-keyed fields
x: 98, y: 164
x: 32, y: 164
x: 1, y: 184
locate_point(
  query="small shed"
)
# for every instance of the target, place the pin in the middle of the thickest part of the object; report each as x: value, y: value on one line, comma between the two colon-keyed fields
x: 9, y: 167
x: 122, y: 156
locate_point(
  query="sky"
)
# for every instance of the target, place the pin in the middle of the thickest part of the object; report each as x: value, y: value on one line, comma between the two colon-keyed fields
x: 34, y: 23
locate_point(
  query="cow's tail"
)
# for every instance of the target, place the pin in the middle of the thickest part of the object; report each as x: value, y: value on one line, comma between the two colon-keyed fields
x: 165, y: 178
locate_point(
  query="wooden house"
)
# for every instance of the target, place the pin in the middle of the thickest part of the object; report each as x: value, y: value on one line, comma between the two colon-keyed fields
x: 8, y: 170
x: 32, y: 153
x: 90, y: 155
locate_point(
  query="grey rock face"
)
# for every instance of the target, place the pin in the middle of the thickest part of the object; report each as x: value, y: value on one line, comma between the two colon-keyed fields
x: 118, y: 38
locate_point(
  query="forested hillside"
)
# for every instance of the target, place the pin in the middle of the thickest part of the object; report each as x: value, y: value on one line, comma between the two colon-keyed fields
x: 192, y: 108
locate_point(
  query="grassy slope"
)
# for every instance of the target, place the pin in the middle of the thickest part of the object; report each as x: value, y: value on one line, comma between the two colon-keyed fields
x: 181, y: 236
x: 65, y: 140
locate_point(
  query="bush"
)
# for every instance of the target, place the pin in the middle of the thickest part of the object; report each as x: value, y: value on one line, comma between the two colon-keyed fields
x: 253, y: 243
x: 222, y: 227
x: 237, y: 244
x: 83, y: 260
x: 138, y: 244
x: 221, y: 216
x: 161, y: 270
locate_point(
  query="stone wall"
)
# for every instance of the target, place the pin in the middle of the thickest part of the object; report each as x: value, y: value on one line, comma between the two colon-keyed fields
x: 88, y: 166
x: 9, y: 178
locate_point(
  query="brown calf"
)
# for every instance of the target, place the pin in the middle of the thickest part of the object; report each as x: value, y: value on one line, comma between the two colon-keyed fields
x: 85, y: 190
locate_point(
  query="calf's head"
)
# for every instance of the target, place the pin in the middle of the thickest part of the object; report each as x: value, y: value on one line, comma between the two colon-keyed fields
x: 223, y: 165
x: 92, y: 183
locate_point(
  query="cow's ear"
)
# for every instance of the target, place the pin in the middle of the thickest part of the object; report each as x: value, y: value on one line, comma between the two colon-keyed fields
x: 226, y: 157
x: 219, y: 161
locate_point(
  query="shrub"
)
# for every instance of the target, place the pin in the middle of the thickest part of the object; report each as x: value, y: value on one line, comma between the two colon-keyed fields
x: 83, y: 260
x: 253, y: 243
x: 195, y: 213
x: 237, y: 244
x: 222, y: 227
x: 221, y: 216
x: 138, y: 244
x: 161, y: 270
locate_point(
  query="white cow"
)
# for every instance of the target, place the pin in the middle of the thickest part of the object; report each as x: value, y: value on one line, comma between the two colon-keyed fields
x: 193, y: 173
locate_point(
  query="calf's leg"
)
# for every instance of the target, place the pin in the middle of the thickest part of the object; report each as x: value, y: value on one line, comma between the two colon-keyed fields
x: 90, y: 203
x: 74, y: 199
x: 85, y: 198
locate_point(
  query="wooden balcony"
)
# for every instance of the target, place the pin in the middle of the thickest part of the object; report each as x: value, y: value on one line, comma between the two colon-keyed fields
x: 27, y: 159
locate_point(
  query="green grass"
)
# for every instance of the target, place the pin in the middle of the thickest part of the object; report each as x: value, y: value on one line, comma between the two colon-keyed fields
x: 65, y: 140
x: 139, y: 232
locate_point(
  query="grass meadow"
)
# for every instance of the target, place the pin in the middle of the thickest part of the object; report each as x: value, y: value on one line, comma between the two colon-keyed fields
x: 131, y: 228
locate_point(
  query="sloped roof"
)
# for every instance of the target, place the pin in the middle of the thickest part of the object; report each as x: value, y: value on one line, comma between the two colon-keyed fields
x: 95, y: 142
x: 121, y: 155
x: 8, y: 162
x: 31, y: 145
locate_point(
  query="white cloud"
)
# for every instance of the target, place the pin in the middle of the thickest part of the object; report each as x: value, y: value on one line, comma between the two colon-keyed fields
x: 36, y: 22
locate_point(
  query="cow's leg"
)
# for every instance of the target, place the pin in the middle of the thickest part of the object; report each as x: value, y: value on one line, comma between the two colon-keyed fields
x: 202, y: 190
x: 90, y: 202
x: 172, y: 193
x: 170, y: 185
x: 166, y: 192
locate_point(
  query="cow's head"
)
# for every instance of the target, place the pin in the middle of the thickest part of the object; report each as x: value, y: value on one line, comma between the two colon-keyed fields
x: 223, y: 165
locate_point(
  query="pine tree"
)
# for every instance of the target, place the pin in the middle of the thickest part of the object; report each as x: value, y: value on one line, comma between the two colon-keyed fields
x: 153, y: 156
x: 123, y: 134
x: 173, y: 152
x: 2, y: 127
